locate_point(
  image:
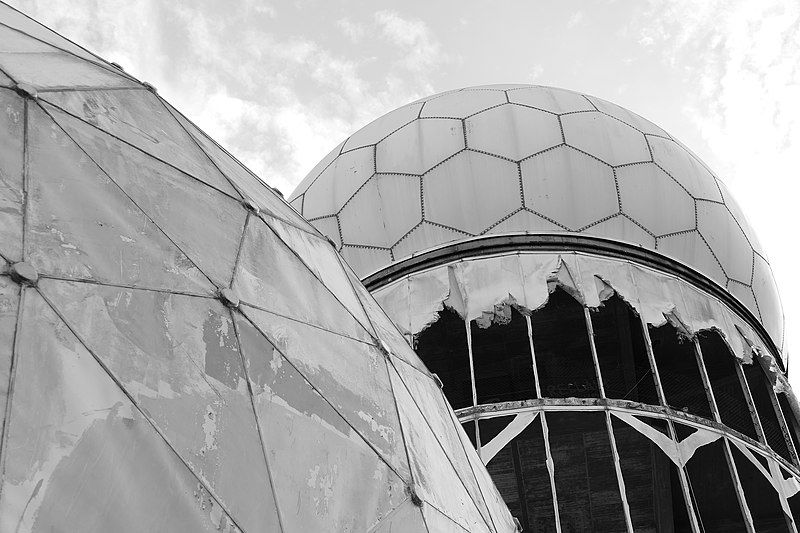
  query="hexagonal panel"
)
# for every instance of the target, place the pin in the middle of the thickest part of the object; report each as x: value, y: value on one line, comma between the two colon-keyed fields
x: 365, y: 261
x: 690, y: 249
x: 569, y: 187
x: 423, y: 237
x: 383, y: 126
x: 338, y: 182
x: 524, y: 220
x: 329, y: 226
x: 513, y: 131
x: 417, y: 147
x: 462, y: 104
x: 382, y: 211
x: 626, y: 116
x: 726, y: 240
x: 605, y: 138
x: 550, y: 99
x: 739, y: 216
x: 654, y: 200
x: 621, y: 229
x: 686, y: 170
x: 471, y: 191
x: 768, y: 298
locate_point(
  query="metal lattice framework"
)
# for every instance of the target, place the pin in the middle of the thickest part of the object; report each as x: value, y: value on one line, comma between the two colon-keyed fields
x: 179, y: 349
x: 521, y: 158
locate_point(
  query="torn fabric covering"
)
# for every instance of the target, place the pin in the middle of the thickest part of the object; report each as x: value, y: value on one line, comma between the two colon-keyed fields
x: 488, y: 282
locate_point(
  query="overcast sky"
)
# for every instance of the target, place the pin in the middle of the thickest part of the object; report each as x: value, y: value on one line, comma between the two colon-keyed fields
x: 282, y: 83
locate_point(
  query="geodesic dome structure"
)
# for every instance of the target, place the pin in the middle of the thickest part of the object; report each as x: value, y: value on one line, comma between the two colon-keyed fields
x: 600, y: 314
x: 179, y: 349
x: 520, y: 158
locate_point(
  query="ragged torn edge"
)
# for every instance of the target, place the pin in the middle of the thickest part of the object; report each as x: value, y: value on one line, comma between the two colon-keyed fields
x: 486, y: 289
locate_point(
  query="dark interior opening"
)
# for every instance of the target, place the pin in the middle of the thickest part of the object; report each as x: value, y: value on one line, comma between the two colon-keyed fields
x: 713, y: 490
x: 520, y: 472
x: 442, y: 346
x: 761, y: 391
x: 677, y: 367
x: 561, y: 346
x: 585, y: 476
x: 622, y: 354
x: 721, y: 367
x: 469, y: 429
x: 791, y: 419
x: 501, y: 354
x: 652, y: 481
x: 762, y: 498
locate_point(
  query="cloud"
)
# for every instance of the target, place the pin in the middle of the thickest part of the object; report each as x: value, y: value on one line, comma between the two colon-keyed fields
x: 414, y: 37
x: 352, y: 30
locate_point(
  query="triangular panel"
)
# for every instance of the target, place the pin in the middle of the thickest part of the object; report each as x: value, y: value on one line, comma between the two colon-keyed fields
x: 209, y: 233
x: 250, y: 185
x: 56, y: 70
x: 434, y: 477
x: 320, y: 256
x: 12, y: 125
x: 329, y: 478
x: 178, y: 358
x: 81, y: 457
x: 349, y: 374
x: 82, y: 226
x: 271, y: 277
x: 407, y: 518
x: 138, y: 117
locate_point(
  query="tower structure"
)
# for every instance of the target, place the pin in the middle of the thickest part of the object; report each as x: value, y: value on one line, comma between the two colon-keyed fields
x: 601, y: 315
x: 179, y: 349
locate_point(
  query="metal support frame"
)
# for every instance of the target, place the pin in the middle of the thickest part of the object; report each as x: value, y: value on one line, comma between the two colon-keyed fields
x: 784, y: 426
x: 734, y: 472
x: 751, y: 406
x: 611, y: 438
x: 685, y: 487
x: 472, y: 383
x: 545, y: 430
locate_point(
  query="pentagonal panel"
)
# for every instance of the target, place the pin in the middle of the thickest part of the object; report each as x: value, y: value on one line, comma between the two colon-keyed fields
x: 383, y: 126
x: 726, y: 240
x: 366, y: 260
x: 329, y: 226
x: 691, y: 249
x: 338, y: 182
x: 382, y: 211
x: 462, y: 103
x: 471, y: 191
x: 768, y: 299
x: 417, y: 147
x: 686, y: 170
x: 628, y: 117
x: 621, y: 228
x: 513, y: 131
x: 527, y: 221
x: 655, y: 200
x: 605, y: 138
x: 423, y: 237
x: 569, y: 187
x: 550, y: 99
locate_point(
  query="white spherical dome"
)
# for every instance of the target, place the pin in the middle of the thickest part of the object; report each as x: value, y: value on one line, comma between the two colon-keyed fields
x: 521, y: 158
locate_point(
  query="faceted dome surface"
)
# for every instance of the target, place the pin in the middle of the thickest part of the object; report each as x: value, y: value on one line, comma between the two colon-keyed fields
x: 521, y: 158
x: 179, y: 349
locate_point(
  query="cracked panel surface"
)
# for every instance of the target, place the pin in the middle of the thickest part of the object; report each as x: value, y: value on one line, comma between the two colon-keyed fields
x: 179, y: 348
x: 582, y: 165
